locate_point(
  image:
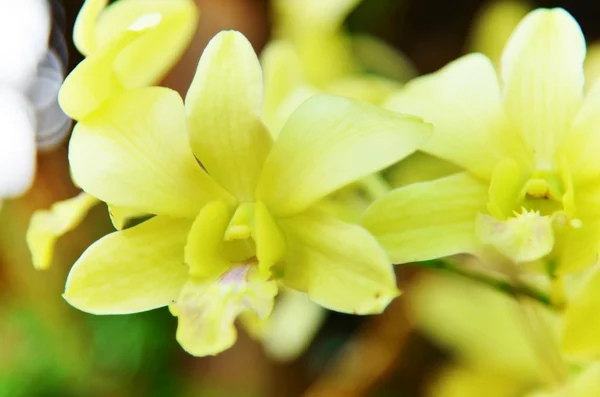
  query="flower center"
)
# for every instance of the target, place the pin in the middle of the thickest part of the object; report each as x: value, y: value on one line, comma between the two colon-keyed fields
x: 238, y: 242
x: 525, y: 215
x: 542, y: 193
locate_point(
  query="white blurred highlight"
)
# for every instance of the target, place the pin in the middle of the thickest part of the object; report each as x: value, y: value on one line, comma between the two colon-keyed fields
x: 17, y: 142
x: 24, y: 30
x: 31, y: 74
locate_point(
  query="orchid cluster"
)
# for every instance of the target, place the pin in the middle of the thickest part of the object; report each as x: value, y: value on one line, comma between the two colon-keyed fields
x: 279, y: 176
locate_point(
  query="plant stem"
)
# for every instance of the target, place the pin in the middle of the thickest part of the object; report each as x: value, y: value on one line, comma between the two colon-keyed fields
x: 504, y: 286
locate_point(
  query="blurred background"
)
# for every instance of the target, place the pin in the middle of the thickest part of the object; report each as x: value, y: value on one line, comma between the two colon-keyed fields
x: 48, y: 348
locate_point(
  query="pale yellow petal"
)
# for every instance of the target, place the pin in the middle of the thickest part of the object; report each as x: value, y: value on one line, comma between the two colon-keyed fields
x: 84, y: 30
x: 522, y: 238
x: 368, y: 88
x: 223, y: 107
x: 46, y: 226
x: 134, y: 153
x: 592, y: 65
x: 94, y: 80
x: 542, y: 70
x: 419, y: 167
x: 587, y: 383
x: 481, y: 325
x: 203, y: 250
x: 270, y: 241
x: 314, y: 27
x: 206, y: 310
x: 463, y: 102
x: 122, y: 217
x: 291, y: 103
x: 283, y: 74
x: 505, y: 190
x: 166, y: 27
x: 292, y: 326
x: 493, y: 25
x: 339, y: 264
x: 315, y: 13
x: 582, y: 144
x: 133, y: 270
x: 577, y: 248
x: 465, y: 380
x: 581, y: 322
x: 330, y: 142
x: 428, y: 220
x: 381, y: 58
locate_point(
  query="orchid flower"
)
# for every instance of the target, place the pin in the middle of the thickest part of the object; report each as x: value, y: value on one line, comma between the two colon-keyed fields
x: 234, y: 211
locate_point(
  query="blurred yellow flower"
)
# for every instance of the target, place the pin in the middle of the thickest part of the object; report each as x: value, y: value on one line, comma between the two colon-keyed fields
x: 129, y: 44
x: 310, y: 53
x: 230, y: 224
x: 528, y: 150
x: 493, y: 26
x: 501, y: 347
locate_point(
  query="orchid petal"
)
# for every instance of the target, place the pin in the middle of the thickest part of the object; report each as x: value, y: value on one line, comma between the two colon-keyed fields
x: 130, y: 271
x: 133, y: 153
x: 330, y: 142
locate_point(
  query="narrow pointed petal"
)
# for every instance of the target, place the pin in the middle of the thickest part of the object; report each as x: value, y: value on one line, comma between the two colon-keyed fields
x: 134, y: 153
x: 339, y: 265
x: 166, y: 27
x: 206, y: 310
x: 47, y: 226
x: 330, y: 142
x: 428, y: 220
x: 463, y: 102
x: 130, y: 271
x: 581, y: 326
x: 542, y: 69
x: 203, y: 249
x: 223, y: 108
x: 84, y: 30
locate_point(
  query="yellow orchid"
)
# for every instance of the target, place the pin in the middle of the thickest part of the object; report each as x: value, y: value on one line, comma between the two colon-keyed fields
x: 528, y: 149
x: 231, y: 224
x: 129, y: 44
